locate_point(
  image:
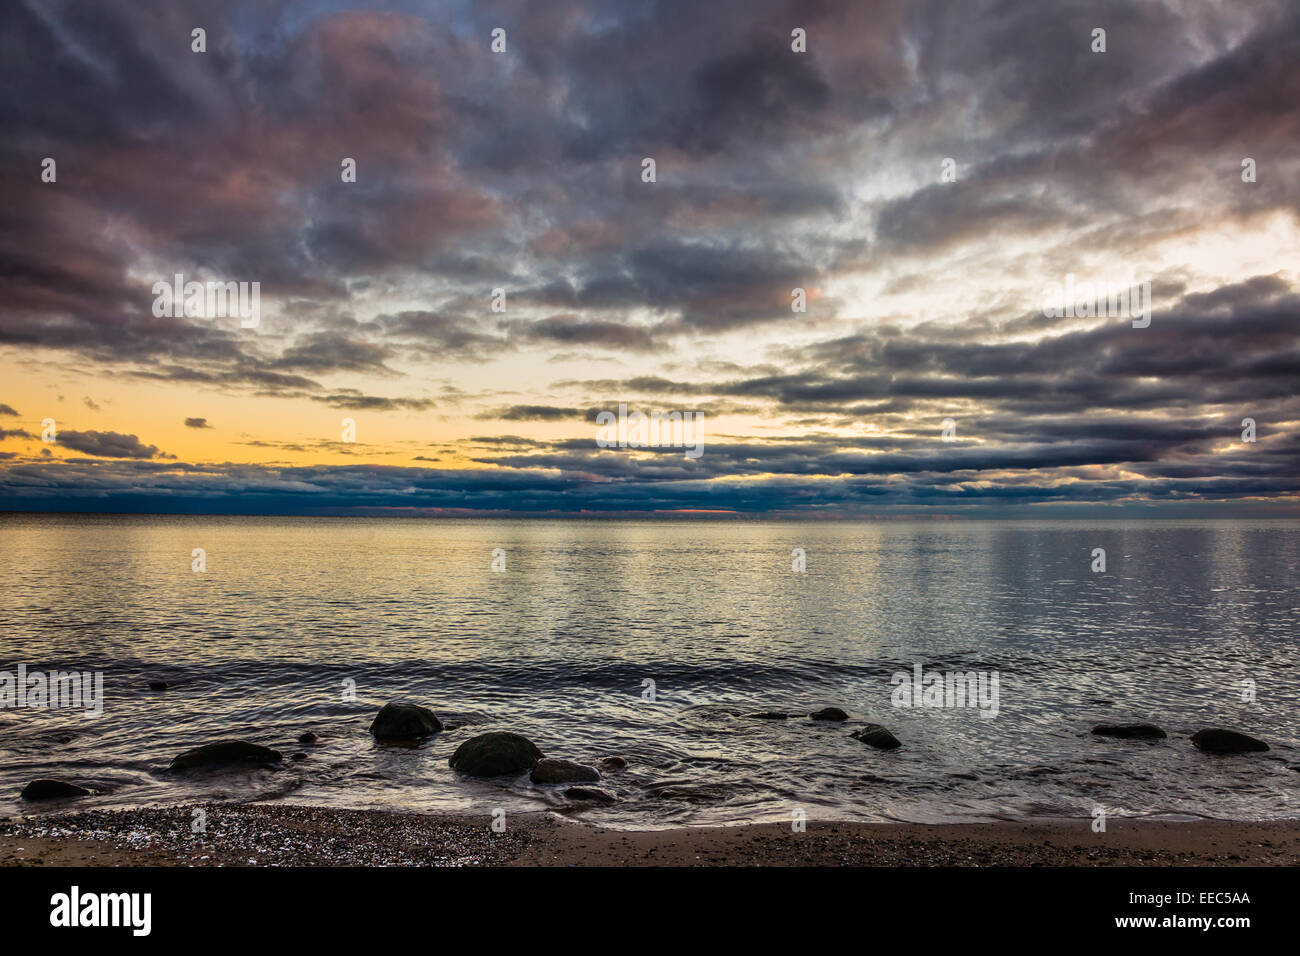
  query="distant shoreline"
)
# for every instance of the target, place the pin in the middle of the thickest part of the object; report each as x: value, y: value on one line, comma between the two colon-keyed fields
x: 284, y: 835
x: 668, y: 516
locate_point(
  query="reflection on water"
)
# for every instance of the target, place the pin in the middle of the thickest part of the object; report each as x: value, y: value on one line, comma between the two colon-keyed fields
x: 558, y: 647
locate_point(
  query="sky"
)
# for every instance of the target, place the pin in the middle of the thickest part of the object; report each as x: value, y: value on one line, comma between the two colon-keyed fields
x: 439, y: 336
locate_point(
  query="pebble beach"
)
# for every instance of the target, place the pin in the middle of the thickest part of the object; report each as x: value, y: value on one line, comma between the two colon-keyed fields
x: 293, y: 836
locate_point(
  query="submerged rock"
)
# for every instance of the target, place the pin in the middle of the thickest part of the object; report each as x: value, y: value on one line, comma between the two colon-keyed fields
x: 307, y: 738
x: 1130, y: 731
x: 877, y: 736
x: 555, y: 770
x: 612, y: 763
x: 157, y: 685
x: 770, y: 715
x: 226, y: 753
x: 495, y: 754
x: 829, y: 713
x: 53, y: 790
x: 1216, y: 740
x: 397, y: 721
x: 593, y: 794
x: 298, y: 756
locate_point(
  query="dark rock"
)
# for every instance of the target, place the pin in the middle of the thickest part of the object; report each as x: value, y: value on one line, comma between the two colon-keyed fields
x: 555, y: 770
x: 1130, y: 731
x: 307, y: 738
x: 157, y: 685
x: 53, y: 790
x: 829, y: 713
x: 298, y: 756
x: 612, y: 763
x: 1216, y: 740
x: 770, y: 715
x: 396, y: 721
x: 877, y: 736
x: 495, y: 754
x: 225, y: 753
x: 593, y: 794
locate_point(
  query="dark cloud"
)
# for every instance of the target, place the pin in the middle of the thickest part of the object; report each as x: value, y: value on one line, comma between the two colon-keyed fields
x: 334, y: 352
x: 570, y: 330
x: 141, y: 486
x: 107, y: 444
x: 197, y: 423
x: 536, y: 413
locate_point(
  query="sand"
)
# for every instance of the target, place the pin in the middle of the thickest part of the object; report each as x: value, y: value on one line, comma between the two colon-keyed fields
x: 283, y: 835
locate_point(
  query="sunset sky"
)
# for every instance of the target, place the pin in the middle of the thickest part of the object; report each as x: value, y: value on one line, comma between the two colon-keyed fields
x: 775, y: 170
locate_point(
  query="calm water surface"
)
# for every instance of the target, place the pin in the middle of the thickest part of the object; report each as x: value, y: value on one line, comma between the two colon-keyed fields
x: 293, y: 611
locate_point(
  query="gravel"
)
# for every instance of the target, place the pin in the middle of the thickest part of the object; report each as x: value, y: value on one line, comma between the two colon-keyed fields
x: 281, y: 835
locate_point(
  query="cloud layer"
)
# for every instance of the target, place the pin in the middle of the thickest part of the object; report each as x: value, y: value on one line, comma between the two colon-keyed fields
x: 775, y: 170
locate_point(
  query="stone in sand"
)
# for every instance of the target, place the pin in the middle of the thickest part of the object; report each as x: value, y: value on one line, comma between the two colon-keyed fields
x: 593, y: 794
x: 829, y: 713
x: 877, y: 736
x: 1130, y: 731
x: 1216, y: 740
x: 53, y: 790
x: 555, y: 770
x: 226, y: 753
x: 397, y: 721
x: 612, y: 763
x: 495, y: 754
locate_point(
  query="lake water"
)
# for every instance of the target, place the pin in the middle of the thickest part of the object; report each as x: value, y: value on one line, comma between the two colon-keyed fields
x: 292, y: 613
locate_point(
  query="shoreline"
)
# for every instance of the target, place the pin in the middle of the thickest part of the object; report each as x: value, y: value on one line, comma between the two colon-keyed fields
x: 290, y: 835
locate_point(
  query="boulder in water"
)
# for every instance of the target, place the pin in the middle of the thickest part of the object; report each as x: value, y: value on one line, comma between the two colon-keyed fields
x: 495, y: 754
x: 397, y: 721
x: 877, y: 736
x: 53, y: 790
x: 1216, y: 740
x: 612, y: 763
x: 555, y: 770
x: 829, y: 713
x: 1130, y: 731
x: 226, y: 753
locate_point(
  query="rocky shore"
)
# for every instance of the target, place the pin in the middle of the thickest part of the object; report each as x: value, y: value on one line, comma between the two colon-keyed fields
x: 276, y: 834
x: 503, y: 753
x: 283, y: 835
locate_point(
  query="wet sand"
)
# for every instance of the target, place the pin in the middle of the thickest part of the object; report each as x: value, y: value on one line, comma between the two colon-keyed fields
x: 282, y: 835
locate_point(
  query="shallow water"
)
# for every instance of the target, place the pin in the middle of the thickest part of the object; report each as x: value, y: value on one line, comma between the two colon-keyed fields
x: 558, y: 646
